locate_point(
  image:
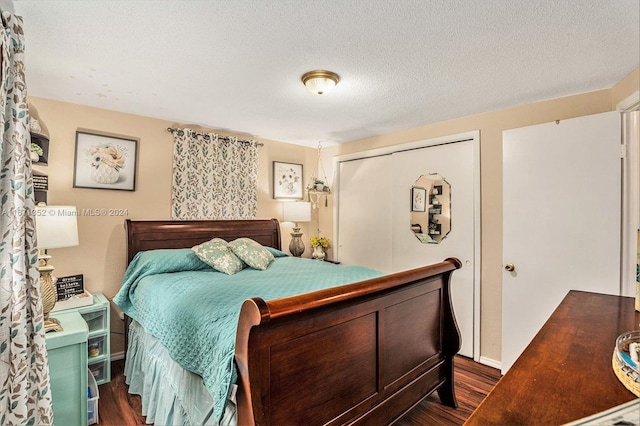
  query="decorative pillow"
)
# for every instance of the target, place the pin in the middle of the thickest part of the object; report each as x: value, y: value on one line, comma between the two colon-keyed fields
x: 252, y: 253
x: 219, y: 256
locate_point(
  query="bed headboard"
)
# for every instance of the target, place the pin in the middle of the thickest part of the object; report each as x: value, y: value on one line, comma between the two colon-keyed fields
x: 161, y: 234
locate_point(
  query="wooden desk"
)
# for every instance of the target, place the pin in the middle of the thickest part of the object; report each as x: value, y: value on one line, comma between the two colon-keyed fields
x: 565, y: 373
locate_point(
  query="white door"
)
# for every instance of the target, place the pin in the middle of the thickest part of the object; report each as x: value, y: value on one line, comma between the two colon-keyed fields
x: 455, y: 163
x: 561, y: 220
x: 364, y: 197
x: 374, y: 218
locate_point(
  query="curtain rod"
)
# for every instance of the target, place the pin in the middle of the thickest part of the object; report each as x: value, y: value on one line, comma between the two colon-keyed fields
x: 224, y: 138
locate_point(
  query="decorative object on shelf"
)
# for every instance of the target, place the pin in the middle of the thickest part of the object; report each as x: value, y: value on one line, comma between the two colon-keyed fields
x: 36, y: 152
x: 320, y: 81
x: 319, y: 244
x: 56, y: 227
x: 296, y: 212
x: 317, y: 187
x: 626, y: 360
x: 287, y: 181
x: 105, y: 162
x: 39, y: 137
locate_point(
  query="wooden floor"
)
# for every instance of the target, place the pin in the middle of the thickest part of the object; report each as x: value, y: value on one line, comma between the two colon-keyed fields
x: 473, y: 382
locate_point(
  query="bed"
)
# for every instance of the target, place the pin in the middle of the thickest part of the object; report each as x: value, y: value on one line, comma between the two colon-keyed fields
x: 364, y: 352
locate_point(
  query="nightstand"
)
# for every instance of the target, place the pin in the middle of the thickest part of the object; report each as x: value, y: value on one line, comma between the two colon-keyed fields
x: 97, y: 317
x: 67, y: 353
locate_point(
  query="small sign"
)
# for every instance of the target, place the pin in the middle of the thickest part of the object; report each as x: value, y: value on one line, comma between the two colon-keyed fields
x: 70, y: 286
x: 41, y: 182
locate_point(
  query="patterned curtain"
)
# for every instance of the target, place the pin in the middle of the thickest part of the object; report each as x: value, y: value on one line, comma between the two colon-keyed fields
x: 214, y: 177
x: 25, y: 396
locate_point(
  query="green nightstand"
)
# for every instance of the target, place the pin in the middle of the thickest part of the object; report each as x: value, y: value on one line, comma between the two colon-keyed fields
x: 67, y: 353
x: 97, y: 317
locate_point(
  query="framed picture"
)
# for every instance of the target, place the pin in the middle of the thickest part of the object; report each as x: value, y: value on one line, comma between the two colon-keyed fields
x: 105, y: 162
x: 418, y: 199
x: 287, y: 181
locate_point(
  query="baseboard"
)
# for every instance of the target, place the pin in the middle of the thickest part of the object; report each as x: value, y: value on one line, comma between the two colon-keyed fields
x: 488, y: 361
x: 117, y: 356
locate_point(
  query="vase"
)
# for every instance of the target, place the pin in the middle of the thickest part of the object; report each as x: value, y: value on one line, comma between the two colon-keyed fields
x: 105, y: 174
x: 318, y: 253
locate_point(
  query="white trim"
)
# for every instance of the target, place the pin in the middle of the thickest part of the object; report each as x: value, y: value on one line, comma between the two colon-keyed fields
x: 631, y: 103
x: 388, y: 150
x: 406, y: 146
x: 490, y: 362
x: 630, y: 133
x: 630, y: 192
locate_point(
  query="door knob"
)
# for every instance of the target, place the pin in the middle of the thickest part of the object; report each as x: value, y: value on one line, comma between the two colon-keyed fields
x: 509, y: 267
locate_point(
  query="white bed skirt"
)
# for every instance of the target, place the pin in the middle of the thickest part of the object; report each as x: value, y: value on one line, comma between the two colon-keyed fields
x: 170, y: 394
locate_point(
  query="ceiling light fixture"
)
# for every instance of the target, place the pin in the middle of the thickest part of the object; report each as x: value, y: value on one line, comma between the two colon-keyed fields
x: 320, y: 81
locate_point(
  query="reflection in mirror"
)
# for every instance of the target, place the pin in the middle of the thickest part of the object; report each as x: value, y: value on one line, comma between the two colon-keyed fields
x: 431, y: 208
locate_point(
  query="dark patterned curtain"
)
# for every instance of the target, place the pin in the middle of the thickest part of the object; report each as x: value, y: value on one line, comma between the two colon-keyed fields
x: 214, y: 177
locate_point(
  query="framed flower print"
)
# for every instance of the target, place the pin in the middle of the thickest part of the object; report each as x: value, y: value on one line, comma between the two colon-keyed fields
x: 105, y: 162
x: 287, y: 181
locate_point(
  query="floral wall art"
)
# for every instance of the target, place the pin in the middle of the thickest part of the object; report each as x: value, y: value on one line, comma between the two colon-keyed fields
x: 105, y: 162
x: 287, y: 181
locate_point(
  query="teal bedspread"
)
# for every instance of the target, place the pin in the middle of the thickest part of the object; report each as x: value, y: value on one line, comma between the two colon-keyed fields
x: 193, y: 309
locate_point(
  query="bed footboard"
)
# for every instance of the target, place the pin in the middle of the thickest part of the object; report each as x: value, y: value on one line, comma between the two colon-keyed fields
x: 362, y: 353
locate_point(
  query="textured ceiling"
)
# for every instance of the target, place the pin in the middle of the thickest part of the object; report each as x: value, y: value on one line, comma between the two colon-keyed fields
x: 235, y: 65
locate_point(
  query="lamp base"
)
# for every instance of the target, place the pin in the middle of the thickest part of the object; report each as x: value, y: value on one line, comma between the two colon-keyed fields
x: 296, y: 246
x: 49, y: 293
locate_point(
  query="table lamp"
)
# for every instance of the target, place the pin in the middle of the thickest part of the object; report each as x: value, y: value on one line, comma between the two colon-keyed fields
x: 56, y: 227
x: 296, y: 212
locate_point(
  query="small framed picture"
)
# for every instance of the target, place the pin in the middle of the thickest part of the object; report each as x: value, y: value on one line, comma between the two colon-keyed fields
x: 418, y: 199
x: 287, y: 181
x: 105, y: 162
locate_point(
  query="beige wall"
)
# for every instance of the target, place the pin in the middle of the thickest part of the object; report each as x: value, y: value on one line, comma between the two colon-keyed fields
x: 491, y: 126
x: 101, y: 254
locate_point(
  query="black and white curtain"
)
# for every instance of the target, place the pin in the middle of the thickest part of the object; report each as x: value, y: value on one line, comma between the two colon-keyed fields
x: 214, y: 177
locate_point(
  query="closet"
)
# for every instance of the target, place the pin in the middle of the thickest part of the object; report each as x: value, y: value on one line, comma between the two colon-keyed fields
x: 374, y: 215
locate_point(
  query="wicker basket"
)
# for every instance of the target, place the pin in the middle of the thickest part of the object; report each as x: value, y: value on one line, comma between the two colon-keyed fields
x: 628, y: 374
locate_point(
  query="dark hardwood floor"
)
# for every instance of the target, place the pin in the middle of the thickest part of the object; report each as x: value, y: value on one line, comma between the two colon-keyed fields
x: 473, y: 382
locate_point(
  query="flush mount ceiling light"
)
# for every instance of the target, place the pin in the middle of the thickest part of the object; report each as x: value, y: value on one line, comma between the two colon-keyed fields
x: 320, y: 81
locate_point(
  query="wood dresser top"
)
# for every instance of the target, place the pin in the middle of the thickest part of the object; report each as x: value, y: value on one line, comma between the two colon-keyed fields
x: 565, y: 373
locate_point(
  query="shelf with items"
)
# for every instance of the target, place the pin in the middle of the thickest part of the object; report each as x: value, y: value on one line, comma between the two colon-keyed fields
x: 39, y: 138
x: 40, y: 186
x: 98, y: 323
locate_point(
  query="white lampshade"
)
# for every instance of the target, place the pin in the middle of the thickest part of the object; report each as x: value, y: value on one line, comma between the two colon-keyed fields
x: 296, y: 212
x: 56, y: 226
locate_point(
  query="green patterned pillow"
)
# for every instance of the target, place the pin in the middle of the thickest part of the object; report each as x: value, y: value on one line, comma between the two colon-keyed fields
x: 218, y: 255
x: 252, y: 253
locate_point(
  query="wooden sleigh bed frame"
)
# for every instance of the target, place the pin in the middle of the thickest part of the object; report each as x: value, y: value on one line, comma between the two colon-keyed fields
x: 362, y: 353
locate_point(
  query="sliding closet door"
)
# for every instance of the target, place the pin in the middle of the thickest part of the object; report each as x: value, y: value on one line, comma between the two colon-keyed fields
x: 374, y: 216
x: 364, y: 216
x: 455, y: 163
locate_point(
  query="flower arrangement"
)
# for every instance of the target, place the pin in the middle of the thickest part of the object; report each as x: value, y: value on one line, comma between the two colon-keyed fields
x: 320, y: 242
x: 35, y: 148
x: 107, y: 154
